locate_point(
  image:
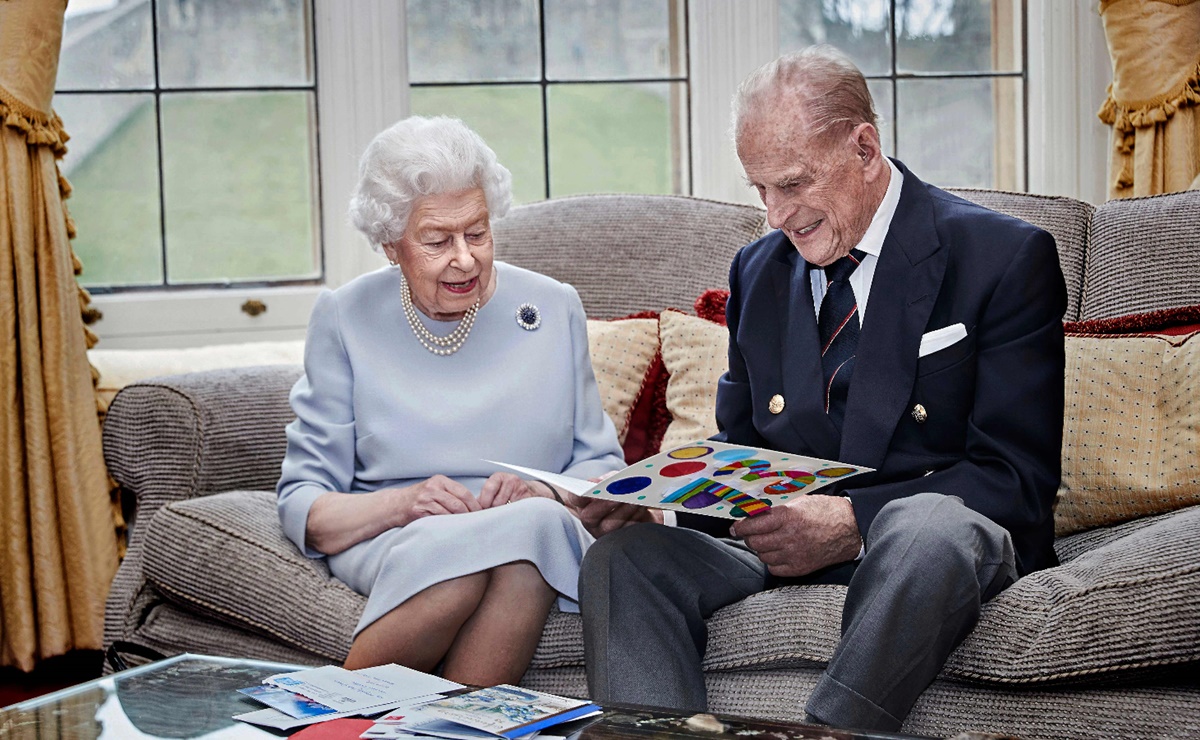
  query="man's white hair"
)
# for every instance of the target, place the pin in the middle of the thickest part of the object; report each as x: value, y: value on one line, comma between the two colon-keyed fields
x: 420, y: 156
x: 832, y: 91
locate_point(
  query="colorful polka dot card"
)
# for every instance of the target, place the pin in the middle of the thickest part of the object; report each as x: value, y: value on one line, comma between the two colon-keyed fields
x: 713, y: 478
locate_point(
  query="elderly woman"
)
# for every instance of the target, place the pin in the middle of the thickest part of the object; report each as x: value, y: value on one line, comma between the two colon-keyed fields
x: 415, y: 376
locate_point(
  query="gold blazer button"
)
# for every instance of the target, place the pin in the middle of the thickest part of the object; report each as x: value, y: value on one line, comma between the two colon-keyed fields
x: 919, y: 414
x: 775, y: 405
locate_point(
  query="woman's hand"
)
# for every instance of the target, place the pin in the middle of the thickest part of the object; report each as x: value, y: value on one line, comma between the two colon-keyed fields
x: 433, y: 497
x: 339, y: 521
x: 503, y: 488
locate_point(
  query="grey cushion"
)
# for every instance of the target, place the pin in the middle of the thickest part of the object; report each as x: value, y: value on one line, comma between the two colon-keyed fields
x: 1066, y: 219
x: 1143, y: 255
x: 628, y: 253
x: 226, y: 556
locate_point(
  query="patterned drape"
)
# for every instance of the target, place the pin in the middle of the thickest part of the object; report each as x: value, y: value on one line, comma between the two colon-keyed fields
x: 58, y: 547
x: 1153, y: 103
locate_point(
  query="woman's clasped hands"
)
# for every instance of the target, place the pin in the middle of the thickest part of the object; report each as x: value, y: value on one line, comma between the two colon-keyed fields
x: 441, y: 495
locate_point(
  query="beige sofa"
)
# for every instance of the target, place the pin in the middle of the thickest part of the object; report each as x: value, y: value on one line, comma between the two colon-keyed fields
x: 1105, y: 645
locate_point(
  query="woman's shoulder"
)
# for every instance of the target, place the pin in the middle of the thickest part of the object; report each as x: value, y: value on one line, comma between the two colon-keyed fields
x: 368, y: 289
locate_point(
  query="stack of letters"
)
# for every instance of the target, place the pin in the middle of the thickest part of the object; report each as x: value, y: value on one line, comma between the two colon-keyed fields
x: 408, y: 703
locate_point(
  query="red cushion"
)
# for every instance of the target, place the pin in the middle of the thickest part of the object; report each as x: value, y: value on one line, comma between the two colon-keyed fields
x: 711, y: 305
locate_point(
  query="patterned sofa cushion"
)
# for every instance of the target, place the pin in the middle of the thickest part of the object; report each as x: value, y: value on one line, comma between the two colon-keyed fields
x: 1131, y: 430
x: 695, y: 352
x: 622, y: 352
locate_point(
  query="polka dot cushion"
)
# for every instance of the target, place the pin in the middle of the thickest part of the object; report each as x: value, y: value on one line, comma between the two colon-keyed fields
x: 1131, y: 436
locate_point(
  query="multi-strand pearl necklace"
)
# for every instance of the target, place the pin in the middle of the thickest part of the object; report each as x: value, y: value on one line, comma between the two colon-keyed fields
x: 442, y: 346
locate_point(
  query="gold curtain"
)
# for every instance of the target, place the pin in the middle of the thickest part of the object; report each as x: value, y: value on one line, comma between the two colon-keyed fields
x: 58, y: 547
x: 1153, y: 102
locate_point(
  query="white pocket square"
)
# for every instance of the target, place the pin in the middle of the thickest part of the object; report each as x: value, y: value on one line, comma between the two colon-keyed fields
x: 939, y: 339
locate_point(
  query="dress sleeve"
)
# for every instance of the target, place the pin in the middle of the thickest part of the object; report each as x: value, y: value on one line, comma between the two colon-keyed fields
x: 596, y: 449
x: 320, y: 442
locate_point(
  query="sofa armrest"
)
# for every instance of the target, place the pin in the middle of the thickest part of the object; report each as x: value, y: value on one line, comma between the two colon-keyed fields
x: 177, y: 437
x: 180, y: 436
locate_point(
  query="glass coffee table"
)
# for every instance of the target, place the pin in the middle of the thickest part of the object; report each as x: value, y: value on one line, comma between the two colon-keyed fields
x: 192, y: 696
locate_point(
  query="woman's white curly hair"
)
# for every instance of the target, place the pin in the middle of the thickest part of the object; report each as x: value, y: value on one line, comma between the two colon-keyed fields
x: 420, y: 156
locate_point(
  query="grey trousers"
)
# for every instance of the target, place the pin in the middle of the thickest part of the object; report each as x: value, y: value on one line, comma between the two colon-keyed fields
x: 930, y: 563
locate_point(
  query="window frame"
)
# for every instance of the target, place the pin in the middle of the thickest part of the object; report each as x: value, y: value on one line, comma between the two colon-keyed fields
x: 362, y: 88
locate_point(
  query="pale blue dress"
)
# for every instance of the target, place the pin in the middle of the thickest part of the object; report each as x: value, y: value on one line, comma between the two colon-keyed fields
x: 375, y: 410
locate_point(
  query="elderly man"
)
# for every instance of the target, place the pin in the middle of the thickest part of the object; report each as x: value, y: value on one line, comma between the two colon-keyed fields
x: 951, y: 387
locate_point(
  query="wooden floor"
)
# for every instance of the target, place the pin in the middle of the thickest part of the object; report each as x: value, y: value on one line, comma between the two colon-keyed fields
x: 50, y: 675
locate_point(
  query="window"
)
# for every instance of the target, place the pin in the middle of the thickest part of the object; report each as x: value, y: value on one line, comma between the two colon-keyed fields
x: 193, y: 151
x: 947, y: 76
x: 575, y: 96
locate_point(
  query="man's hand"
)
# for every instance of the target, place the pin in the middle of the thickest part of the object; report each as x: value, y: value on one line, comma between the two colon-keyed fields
x: 802, y: 536
x: 600, y: 516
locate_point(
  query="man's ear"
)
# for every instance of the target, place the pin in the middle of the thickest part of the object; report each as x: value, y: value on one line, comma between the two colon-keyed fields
x: 865, y: 138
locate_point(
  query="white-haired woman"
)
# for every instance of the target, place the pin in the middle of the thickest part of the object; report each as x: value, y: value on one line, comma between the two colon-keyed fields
x: 415, y: 376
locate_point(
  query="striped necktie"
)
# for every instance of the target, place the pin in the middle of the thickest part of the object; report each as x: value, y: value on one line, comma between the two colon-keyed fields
x: 837, y: 325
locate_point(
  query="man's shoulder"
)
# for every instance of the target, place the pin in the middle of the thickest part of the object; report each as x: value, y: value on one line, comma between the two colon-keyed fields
x: 772, y: 248
x: 954, y: 212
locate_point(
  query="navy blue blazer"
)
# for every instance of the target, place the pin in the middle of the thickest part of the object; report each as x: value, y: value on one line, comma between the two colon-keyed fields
x: 994, y: 400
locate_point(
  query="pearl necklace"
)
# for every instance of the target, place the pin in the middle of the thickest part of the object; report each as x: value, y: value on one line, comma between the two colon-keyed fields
x: 441, y: 346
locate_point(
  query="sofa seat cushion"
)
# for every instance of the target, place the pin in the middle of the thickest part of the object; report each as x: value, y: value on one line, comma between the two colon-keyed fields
x: 1123, y: 608
x: 1126, y: 607
x: 226, y: 556
x: 1114, y: 612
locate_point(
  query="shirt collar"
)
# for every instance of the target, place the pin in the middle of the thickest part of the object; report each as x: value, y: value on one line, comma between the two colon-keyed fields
x: 872, y: 241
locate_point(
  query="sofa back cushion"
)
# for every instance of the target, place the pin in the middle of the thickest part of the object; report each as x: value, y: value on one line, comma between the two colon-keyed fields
x: 1066, y: 219
x: 629, y: 253
x: 1143, y: 254
x: 1131, y: 428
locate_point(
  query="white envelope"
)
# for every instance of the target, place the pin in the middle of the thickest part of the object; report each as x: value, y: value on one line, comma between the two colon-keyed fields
x: 939, y: 339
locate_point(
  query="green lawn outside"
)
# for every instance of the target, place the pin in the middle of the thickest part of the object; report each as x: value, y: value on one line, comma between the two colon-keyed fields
x: 603, y: 138
x: 238, y: 182
x: 237, y: 190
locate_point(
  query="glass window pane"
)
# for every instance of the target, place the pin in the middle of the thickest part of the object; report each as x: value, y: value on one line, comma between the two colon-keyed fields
x: 508, y: 117
x: 983, y: 147
x: 238, y: 192
x: 233, y: 43
x: 473, y: 42
x: 859, y: 28
x: 106, y: 45
x: 112, y: 164
x: 881, y: 93
x: 609, y: 39
x: 618, y: 138
x: 958, y: 36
